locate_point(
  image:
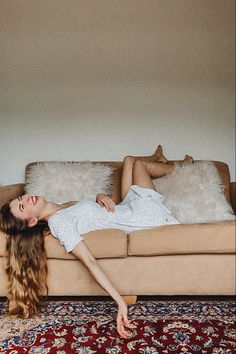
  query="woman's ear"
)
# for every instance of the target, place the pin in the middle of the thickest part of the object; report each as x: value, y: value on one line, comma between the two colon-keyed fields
x: 32, y: 222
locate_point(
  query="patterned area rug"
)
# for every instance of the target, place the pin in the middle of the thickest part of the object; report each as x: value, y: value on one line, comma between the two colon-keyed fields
x: 87, y: 327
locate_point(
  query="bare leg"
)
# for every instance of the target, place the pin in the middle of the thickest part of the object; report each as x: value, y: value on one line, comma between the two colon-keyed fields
x: 143, y: 171
x: 128, y: 163
x: 157, y: 156
x: 140, y: 172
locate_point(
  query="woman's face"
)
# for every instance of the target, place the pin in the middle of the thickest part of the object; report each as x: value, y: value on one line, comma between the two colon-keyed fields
x: 27, y: 207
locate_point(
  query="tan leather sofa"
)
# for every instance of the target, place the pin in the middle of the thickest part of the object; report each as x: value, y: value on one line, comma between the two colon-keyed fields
x: 189, y: 259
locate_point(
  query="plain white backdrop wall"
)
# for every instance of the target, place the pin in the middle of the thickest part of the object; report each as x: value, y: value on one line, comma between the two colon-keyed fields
x: 101, y: 79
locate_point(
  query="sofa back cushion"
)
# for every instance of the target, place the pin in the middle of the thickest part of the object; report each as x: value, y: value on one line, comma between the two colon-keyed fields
x: 60, y: 181
x: 223, y: 170
x: 194, y: 193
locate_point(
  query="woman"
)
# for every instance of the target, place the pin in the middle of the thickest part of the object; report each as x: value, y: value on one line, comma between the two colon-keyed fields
x: 27, y: 218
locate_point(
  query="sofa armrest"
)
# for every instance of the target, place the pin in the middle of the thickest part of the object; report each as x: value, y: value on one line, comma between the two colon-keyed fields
x: 10, y: 191
x: 233, y: 195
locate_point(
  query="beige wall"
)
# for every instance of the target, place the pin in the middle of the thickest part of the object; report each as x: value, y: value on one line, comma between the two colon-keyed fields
x: 100, y: 79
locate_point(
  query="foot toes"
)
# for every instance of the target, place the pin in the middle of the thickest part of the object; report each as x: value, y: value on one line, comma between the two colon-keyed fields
x: 188, y: 158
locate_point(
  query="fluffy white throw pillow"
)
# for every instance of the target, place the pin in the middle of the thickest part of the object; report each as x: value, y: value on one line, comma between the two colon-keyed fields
x: 60, y: 182
x: 194, y: 193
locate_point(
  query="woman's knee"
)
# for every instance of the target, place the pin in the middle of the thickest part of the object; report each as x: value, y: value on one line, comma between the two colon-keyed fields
x: 129, y: 160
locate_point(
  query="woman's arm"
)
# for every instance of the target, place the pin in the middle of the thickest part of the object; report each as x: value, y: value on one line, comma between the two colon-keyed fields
x: 82, y: 252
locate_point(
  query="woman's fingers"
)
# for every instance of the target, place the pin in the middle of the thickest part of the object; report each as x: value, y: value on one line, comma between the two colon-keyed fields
x: 122, y: 322
x: 121, y: 330
x: 107, y: 203
x: 128, y: 324
x: 111, y: 205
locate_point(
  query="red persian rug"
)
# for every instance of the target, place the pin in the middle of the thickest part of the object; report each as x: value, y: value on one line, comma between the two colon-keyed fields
x: 88, y: 327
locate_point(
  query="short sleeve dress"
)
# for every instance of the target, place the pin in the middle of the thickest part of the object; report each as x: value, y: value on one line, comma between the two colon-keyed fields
x: 142, y: 208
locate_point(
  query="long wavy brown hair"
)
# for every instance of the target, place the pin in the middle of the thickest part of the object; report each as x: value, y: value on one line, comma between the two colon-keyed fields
x: 26, y: 265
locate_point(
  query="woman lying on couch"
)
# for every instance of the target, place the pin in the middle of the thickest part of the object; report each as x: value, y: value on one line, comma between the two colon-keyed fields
x: 27, y: 218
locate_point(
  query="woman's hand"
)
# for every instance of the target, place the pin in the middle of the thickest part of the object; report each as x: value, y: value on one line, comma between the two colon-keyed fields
x: 122, y: 322
x: 105, y: 201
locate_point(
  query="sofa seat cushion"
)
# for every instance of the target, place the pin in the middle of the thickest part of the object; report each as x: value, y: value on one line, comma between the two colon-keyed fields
x: 102, y: 244
x: 216, y: 237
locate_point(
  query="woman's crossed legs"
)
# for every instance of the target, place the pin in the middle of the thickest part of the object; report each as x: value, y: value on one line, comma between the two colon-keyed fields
x: 139, y: 170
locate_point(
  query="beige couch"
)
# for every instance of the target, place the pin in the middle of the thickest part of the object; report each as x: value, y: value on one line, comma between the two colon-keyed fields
x: 190, y: 259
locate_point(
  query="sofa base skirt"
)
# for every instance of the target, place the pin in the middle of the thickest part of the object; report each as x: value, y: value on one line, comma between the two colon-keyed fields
x: 199, y: 274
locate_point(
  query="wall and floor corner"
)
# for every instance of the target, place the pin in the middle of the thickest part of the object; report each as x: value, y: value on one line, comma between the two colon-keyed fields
x: 97, y: 80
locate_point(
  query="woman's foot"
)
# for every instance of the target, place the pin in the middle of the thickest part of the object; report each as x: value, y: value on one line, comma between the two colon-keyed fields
x: 158, y: 155
x: 188, y: 159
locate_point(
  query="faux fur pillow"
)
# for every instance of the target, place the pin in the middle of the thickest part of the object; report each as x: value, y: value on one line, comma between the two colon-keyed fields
x: 60, y: 182
x: 194, y: 193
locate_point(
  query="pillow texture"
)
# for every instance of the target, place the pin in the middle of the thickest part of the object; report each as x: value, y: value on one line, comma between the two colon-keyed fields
x: 60, y: 181
x: 194, y: 193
